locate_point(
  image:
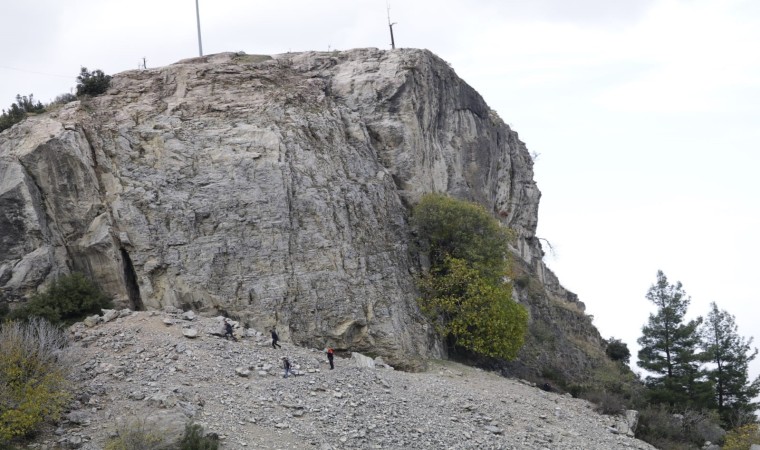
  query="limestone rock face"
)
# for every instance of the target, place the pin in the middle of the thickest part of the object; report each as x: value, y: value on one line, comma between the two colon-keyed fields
x: 271, y: 189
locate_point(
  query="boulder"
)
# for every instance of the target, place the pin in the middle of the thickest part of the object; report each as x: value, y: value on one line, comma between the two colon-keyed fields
x: 190, y: 332
x: 362, y: 361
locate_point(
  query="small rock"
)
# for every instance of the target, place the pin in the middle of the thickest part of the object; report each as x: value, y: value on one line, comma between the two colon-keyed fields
x: 492, y: 429
x: 190, y: 332
x: 91, y: 321
x: 110, y: 314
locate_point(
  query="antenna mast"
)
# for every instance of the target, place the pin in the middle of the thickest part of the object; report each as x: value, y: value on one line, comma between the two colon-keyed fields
x: 390, y: 25
x: 198, y: 18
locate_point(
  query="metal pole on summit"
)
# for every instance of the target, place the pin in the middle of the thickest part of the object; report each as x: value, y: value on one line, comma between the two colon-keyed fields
x: 390, y: 25
x: 198, y: 18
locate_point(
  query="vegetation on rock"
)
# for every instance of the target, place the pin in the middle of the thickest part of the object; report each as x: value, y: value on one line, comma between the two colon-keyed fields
x: 455, y: 228
x: 92, y: 83
x: 464, y: 294
x: 617, y: 350
x: 19, y: 110
x: 67, y: 299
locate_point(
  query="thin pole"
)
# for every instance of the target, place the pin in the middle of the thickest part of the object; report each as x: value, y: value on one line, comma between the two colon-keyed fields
x: 390, y: 25
x: 198, y: 17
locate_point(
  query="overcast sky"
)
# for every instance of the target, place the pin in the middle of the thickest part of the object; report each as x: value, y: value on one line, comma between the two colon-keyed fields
x: 644, y: 114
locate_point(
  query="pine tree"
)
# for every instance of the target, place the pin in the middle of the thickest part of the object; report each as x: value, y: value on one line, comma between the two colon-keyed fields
x: 730, y: 355
x: 669, y: 349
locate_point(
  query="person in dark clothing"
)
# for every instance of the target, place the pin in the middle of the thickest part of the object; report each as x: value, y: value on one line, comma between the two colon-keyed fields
x: 330, y: 355
x: 286, y: 366
x: 275, y: 338
x: 228, y: 331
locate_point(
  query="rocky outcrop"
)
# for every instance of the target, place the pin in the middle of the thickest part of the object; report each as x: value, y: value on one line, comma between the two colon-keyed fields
x: 275, y: 190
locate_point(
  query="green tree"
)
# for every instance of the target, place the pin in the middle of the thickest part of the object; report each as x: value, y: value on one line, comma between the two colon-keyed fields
x: 462, y: 230
x: 67, y: 299
x: 617, y: 350
x: 92, y: 83
x: 473, y: 312
x: 464, y: 293
x: 730, y: 355
x: 669, y: 349
x: 19, y: 110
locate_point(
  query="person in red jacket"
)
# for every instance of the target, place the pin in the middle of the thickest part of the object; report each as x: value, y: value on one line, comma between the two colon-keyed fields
x: 330, y: 355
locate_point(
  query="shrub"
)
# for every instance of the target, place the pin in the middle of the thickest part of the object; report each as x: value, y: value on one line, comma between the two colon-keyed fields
x: 605, y: 402
x: 462, y: 230
x: 663, y: 429
x: 742, y: 438
x: 464, y: 294
x: 64, y: 98
x: 193, y: 439
x: 473, y: 312
x: 18, y: 111
x: 660, y: 428
x: 92, y: 83
x: 34, y: 369
x: 138, y: 436
x: 617, y: 350
x: 67, y: 299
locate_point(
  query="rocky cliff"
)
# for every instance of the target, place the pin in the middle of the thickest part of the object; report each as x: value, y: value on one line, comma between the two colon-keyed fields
x: 276, y: 190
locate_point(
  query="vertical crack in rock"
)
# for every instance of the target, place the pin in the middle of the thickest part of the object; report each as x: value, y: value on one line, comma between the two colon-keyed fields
x: 130, y: 278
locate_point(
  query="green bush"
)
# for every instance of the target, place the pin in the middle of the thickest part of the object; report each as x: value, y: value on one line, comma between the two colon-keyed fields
x: 617, y: 350
x: 194, y: 439
x: 464, y: 294
x: 19, y: 110
x: 92, y: 83
x: 462, y: 230
x: 473, y: 312
x: 67, y: 299
x: 34, y: 370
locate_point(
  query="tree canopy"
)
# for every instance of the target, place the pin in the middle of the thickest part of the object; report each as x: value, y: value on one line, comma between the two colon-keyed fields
x: 464, y: 293
x: 19, y: 110
x: 462, y: 230
x: 669, y: 348
x: 92, y: 83
x: 730, y: 355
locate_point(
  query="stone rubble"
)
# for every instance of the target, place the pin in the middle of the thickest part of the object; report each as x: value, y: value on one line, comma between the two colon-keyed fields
x: 138, y: 367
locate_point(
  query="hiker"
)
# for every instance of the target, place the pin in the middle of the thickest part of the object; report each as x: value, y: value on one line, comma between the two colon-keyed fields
x: 275, y: 338
x: 330, y: 355
x: 228, y: 330
x: 286, y: 366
